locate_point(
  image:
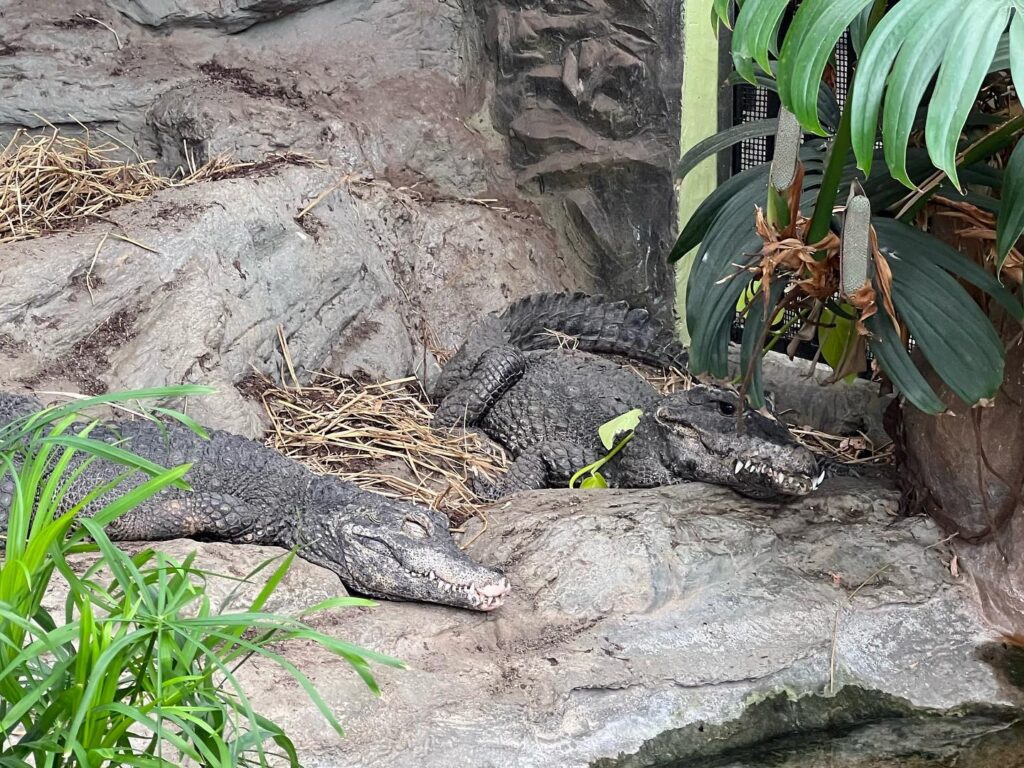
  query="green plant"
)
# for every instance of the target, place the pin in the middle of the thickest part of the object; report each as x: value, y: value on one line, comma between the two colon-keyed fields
x: 615, y: 434
x: 141, y: 669
x: 920, y: 64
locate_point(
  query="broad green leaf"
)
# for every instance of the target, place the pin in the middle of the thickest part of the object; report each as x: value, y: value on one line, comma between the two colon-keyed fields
x: 756, y: 35
x: 810, y: 41
x: 918, y: 60
x: 720, y: 8
x: 966, y: 64
x: 835, y: 335
x: 595, y: 480
x: 627, y: 422
x: 828, y: 107
x: 750, y: 350
x: 873, y: 67
x: 948, y: 325
x: 723, y: 140
x: 747, y: 183
x: 1011, y: 214
x: 903, y: 239
x: 1016, y: 50
x: 892, y: 356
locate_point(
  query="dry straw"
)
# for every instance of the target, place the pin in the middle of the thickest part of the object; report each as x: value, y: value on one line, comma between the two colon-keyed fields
x: 50, y: 182
x: 378, y: 436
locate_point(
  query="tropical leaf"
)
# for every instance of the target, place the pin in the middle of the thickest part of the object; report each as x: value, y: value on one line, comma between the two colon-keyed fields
x: 1011, y: 214
x: 894, y: 359
x: 828, y: 106
x: 723, y: 140
x: 974, y: 44
x: 913, y: 41
x: 810, y: 42
x: 753, y: 342
x: 744, y: 183
x: 955, y: 336
x: 756, y: 35
x: 901, y: 239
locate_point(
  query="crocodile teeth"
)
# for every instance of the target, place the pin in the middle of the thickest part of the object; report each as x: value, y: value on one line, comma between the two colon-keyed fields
x: 738, y: 467
x: 818, y: 480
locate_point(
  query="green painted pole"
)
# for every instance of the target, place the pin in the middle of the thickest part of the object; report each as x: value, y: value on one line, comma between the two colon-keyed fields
x: 699, y: 120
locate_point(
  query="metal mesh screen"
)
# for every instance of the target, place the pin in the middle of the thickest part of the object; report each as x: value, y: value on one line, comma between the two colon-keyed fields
x: 752, y: 103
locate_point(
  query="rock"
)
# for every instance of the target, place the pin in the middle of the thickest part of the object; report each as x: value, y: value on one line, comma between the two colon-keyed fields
x: 232, y: 16
x: 680, y: 624
x: 401, y: 90
x: 228, y: 265
x: 588, y: 95
x: 843, y: 408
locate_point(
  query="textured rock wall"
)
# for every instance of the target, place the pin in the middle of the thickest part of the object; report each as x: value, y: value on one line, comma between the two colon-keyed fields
x: 420, y: 227
x: 587, y: 92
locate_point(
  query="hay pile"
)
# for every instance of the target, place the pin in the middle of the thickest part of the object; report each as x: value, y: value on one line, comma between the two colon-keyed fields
x: 378, y: 436
x: 51, y: 182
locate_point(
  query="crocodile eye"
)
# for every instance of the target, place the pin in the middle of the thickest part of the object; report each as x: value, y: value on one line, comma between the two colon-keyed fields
x: 727, y: 409
x: 415, y: 529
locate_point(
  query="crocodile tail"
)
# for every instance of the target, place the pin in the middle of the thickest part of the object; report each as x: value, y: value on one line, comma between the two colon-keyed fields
x: 594, y: 324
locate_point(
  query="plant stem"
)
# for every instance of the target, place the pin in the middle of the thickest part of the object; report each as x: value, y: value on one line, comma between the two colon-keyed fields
x: 831, y: 180
x: 841, y: 146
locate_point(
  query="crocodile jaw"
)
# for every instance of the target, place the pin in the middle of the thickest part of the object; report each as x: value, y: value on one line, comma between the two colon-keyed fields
x: 384, y: 563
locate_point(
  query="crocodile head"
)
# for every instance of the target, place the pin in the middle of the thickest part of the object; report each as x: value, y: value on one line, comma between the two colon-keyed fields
x: 757, y: 456
x: 402, y: 551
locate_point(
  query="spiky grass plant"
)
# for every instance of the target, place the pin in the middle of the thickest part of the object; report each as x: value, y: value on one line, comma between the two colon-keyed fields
x: 141, y: 668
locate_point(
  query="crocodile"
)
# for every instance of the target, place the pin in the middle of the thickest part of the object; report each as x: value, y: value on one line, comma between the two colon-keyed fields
x: 538, y: 379
x: 245, y: 493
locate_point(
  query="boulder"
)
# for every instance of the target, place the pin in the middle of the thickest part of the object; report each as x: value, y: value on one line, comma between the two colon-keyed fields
x: 213, y: 277
x: 679, y: 624
x: 588, y: 96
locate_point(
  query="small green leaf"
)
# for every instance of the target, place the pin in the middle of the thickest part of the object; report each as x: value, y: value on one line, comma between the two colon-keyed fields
x: 627, y: 422
x: 835, y: 336
x: 595, y: 480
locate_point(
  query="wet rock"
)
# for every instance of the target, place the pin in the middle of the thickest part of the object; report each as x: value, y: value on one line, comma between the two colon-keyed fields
x: 683, y: 624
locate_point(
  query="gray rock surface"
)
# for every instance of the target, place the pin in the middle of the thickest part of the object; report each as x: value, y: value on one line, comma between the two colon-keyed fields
x: 843, y: 408
x: 676, y: 624
x: 352, y: 287
x: 403, y: 90
x: 588, y: 95
x: 232, y: 16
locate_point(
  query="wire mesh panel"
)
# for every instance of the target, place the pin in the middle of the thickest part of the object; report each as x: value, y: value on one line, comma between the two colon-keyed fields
x: 751, y: 103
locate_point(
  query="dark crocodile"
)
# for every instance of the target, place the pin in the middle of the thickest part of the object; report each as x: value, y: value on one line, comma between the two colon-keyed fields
x: 530, y: 379
x: 243, y: 492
